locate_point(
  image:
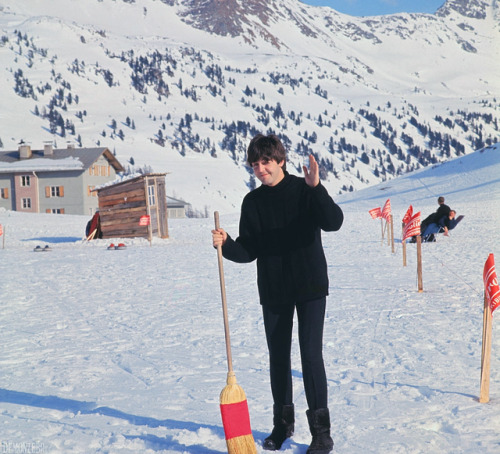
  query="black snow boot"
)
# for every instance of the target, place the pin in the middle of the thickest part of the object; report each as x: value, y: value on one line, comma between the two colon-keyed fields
x: 283, y: 420
x: 319, y: 425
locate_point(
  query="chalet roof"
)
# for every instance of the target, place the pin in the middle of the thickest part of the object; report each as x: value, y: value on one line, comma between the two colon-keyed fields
x: 176, y: 203
x: 61, y: 159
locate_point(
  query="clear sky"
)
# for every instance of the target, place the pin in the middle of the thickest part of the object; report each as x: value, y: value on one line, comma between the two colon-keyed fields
x: 377, y: 7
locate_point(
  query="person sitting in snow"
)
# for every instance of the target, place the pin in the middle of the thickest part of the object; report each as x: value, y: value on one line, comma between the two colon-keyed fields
x: 434, y: 218
x: 445, y: 224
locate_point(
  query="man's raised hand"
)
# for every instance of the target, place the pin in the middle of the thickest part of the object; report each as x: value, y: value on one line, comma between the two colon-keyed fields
x: 312, y: 175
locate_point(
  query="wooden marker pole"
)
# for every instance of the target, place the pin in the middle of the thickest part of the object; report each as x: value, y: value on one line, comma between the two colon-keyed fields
x: 404, y: 245
x: 388, y: 225
x: 484, y: 393
x: 392, y: 234
x: 419, y: 264
x: 404, y: 253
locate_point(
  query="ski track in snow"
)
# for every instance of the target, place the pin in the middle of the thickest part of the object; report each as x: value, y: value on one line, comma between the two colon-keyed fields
x: 123, y: 351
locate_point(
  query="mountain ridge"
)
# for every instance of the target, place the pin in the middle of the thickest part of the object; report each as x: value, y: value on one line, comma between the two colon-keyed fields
x: 371, y: 97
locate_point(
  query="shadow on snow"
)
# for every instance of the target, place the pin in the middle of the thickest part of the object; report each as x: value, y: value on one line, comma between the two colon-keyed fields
x: 56, y: 239
x: 91, y: 408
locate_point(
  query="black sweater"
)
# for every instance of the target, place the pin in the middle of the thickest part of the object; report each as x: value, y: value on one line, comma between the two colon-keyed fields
x: 443, y: 210
x: 280, y: 226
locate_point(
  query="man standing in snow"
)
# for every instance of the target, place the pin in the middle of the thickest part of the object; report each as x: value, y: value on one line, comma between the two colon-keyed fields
x: 280, y: 226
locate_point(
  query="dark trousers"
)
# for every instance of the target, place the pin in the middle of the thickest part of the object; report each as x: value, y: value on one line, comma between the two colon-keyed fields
x: 278, y: 324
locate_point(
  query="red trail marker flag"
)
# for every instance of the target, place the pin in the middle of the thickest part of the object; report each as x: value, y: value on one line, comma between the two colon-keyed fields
x: 491, y: 302
x: 491, y: 287
x: 386, y: 211
x: 408, y: 215
x: 412, y: 227
x: 375, y: 213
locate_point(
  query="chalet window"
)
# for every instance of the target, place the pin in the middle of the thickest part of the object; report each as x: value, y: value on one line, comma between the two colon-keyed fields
x: 55, y: 210
x: 54, y: 191
x: 90, y: 193
x: 26, y: 203
x: 25, y: 180
x: 151, y: 195
x: 103, y: 171
x: 4, y: 193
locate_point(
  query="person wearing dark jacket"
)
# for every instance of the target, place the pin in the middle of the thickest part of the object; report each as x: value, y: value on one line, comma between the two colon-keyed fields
x: 434, y: 218
x: 280, y: 227
x: 442, y: 212
x: 445, y: 224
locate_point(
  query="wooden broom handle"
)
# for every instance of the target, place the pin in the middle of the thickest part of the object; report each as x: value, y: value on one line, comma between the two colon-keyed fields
x: 224, y: 302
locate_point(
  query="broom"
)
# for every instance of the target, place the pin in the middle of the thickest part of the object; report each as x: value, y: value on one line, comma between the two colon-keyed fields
x: 233, y: 402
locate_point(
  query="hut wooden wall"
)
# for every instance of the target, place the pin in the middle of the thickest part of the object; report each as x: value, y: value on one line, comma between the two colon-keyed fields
x: 122, y: 205
x: 161, y: 208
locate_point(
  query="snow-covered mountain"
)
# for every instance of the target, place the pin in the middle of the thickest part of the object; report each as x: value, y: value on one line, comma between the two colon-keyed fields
x: 181, y: 86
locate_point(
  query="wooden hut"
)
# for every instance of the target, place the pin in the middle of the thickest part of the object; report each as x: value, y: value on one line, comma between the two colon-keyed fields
x: 123, y: 208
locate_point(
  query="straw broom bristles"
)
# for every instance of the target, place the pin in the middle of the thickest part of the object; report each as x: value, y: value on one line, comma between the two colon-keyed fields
x: 235, y: 418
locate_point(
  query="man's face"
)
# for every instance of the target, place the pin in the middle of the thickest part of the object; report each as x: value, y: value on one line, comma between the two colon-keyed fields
x: 270, y: 173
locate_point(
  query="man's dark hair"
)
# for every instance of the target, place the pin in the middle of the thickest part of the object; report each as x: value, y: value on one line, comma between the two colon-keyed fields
x: 441, y: 200
x: 266, y: 147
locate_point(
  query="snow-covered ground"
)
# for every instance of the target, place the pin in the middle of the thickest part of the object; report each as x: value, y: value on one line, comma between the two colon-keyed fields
x: 123, y: 351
